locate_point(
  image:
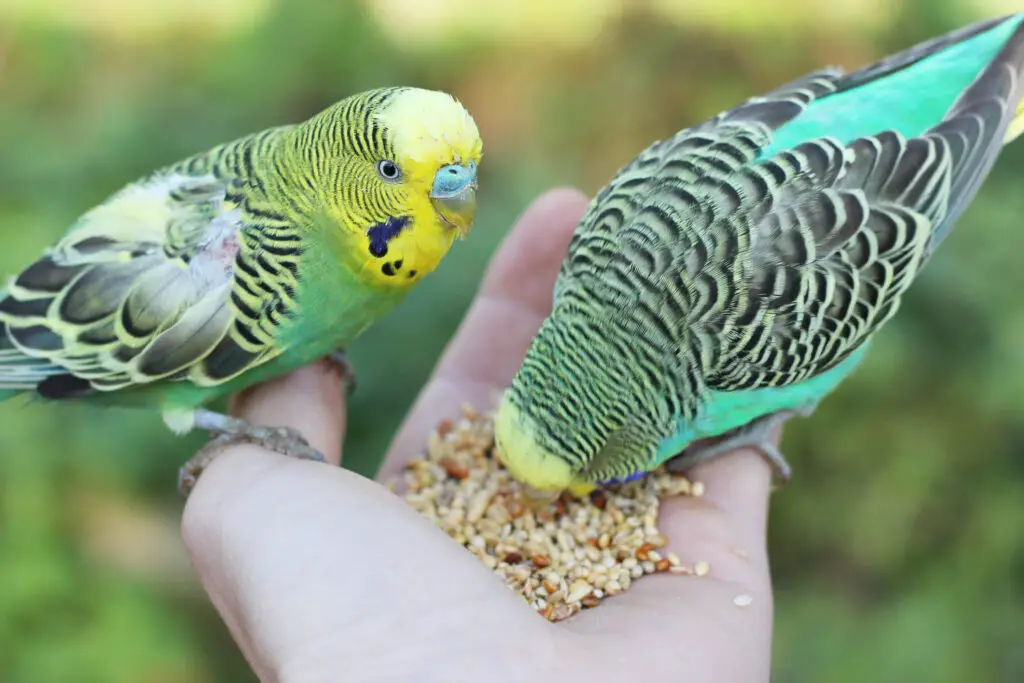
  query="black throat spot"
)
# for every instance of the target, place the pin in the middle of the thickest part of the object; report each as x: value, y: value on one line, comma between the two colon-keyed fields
x: 382, y: 233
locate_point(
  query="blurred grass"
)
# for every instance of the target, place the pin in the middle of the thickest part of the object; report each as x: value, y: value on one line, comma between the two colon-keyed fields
x: 897, y: 550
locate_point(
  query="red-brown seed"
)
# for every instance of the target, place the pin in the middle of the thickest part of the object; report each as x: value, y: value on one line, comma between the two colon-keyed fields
x: 592, y: 541
x: 662, y: 565
x: 454, y: 469
x: 513, y: 557
x: 541, y: 561
x: 599, y: 500
x: 643, y: 552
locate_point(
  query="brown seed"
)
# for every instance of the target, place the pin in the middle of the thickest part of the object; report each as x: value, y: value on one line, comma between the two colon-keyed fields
x: 643, y: 553
x: 590, y: 601
x: 513, y: 557
x: 454, y: 469
x: 550, y: 586
x: 662, y: 565
x: 599, y: 500
x: 592, y: 541
x: 541, y: 561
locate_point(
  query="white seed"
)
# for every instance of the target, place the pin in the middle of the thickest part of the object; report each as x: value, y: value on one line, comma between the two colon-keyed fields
x: 743, y: 600
x: 579, y: 590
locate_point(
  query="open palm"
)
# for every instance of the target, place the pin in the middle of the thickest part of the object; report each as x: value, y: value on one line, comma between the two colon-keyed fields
x: 323, y: 575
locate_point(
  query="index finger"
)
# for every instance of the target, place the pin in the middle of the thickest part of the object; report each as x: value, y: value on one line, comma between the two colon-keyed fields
x: 513, y: 300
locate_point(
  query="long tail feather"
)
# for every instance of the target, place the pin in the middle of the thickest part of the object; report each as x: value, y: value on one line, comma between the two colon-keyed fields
x: 983, y: 119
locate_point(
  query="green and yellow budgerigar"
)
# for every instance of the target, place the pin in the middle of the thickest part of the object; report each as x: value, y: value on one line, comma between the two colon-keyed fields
x: 244, y: 262
x: 733, y: 275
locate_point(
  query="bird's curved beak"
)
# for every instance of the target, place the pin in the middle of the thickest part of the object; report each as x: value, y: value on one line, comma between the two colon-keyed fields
x: 454, y: 195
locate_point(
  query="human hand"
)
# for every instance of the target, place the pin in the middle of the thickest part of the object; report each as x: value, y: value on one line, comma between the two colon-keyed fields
x: 323, y: 575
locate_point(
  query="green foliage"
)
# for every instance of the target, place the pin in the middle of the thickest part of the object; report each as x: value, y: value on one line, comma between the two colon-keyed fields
x: 897, y: 548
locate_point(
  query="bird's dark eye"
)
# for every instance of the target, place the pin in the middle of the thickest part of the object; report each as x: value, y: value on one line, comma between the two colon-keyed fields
x: 388, y: 170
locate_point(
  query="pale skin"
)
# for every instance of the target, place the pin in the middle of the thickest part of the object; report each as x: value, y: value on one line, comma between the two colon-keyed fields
x: 323, y: 575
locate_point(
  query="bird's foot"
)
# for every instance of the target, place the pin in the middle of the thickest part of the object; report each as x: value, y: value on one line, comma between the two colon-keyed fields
x: 232, y: 430
x: 345, y: 369
x: 756, y: 434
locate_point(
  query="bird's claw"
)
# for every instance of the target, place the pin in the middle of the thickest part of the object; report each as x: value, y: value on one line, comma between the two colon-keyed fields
x: 284, y: 440
x: 756, y: 434
x: 348, y: 374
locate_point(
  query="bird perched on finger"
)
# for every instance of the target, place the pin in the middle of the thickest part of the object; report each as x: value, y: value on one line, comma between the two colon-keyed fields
x: 733, y: 275
x: 244, y: 262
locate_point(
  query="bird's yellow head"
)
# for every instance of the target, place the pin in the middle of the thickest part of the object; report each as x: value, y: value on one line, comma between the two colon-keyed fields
x: 402, y: 163
x: 543, y: 474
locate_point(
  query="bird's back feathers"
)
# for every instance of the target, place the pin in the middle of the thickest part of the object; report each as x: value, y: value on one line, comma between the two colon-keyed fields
x: 766, y: 264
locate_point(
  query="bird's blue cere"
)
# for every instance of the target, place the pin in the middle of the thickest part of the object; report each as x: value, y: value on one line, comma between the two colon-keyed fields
x: 453, y: 180
x: 454, y: 195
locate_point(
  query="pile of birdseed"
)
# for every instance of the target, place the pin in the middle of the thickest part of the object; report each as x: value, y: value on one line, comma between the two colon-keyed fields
x: 564, y: 558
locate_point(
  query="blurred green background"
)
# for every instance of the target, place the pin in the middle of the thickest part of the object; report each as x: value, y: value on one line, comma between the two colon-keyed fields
x: 898, y: 549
